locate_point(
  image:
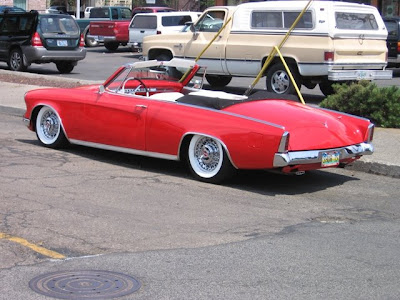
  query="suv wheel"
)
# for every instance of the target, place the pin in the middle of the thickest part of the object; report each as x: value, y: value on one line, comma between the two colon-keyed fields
x: 65, y: 67
x: 16, y: 60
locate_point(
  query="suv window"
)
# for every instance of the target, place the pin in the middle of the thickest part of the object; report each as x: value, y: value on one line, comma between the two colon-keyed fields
x: 280, y: 19
x: 19, y: 25
x: 355, y: 21
x: 145, y: 22
x: 211, y: 22
x: 175, y: 20
x: 58, y: 24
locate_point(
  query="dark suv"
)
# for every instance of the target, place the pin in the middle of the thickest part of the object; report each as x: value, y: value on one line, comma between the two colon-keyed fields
x: 30, y: 37
x: 393, y: 40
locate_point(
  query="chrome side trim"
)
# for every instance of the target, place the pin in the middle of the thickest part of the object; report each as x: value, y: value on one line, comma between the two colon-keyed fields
x: 315, y: 156
x: 124, y: 150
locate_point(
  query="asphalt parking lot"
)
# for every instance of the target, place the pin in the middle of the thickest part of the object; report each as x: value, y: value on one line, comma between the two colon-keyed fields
x: 331, y: 234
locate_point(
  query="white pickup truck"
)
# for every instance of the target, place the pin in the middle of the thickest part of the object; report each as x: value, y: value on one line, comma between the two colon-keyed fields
x: 332, y: 42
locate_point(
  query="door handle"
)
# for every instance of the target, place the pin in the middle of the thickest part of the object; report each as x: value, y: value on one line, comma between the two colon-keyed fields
x: 141, y: 106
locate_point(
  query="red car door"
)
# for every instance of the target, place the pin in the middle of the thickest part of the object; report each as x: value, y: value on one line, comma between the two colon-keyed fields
x: 116, y: 120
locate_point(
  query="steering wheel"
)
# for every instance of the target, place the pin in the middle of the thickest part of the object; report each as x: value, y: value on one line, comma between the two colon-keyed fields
x: 137, y: 88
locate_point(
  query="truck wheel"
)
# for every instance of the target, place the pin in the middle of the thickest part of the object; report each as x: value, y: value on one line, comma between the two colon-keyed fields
x: 278, y: 80
x: 218, y: 80
x: 163, y: 57
x: 326, y: 87
x: 90, y: 42
x: 65, y: 67
x: 111, y: 46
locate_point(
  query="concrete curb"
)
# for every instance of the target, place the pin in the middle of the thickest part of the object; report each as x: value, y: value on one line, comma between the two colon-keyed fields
x: 48, y: 77
x: 375, y: 168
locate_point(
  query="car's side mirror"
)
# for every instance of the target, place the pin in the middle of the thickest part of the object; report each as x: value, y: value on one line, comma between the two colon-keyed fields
x: 101, y: 89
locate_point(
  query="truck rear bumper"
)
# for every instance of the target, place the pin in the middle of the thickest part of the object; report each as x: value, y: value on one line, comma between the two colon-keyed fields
x: 340, y: 75
x: 102, y: 39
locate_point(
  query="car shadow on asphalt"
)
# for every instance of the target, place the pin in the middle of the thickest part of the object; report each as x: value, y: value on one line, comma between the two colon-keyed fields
x: 255, y: 181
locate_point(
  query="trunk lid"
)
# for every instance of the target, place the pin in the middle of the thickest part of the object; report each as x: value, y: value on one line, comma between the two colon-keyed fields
x: 310, y: 128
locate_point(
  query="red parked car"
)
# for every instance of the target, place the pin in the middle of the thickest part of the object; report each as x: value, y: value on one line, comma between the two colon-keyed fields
x: 159, y: 109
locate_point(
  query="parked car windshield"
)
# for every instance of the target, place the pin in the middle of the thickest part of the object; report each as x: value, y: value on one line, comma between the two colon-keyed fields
x: 58, y: 24
x: 155, y: 72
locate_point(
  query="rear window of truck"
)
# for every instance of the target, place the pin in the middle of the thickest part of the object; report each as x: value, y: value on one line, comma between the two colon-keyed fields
x: 355, y: 21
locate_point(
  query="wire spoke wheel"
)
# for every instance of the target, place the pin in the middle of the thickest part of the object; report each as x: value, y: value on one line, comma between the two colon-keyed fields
x: 207, y: 159
x: 48, y: 128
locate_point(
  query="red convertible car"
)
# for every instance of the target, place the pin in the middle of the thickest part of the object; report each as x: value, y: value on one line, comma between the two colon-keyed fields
x: 159, y: 109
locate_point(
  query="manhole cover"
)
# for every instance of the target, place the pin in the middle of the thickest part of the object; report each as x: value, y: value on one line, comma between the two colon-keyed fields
x: 89, y: 284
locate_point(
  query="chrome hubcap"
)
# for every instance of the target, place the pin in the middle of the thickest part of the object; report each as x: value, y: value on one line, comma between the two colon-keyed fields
x: 207, y: 154
x: 280, y: 82
x: 50, y: 125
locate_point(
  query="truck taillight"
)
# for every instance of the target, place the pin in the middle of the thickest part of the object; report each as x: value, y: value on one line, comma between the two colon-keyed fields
x: 329, y: 56
x: 36, y: 40
x: 398, y: 47
x: 81, y: 41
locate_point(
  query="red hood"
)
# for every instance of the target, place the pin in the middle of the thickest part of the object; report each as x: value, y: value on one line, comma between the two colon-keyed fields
x: 309, y: 127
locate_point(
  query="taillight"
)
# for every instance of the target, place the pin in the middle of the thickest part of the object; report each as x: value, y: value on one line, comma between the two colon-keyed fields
x: 398, y: 47
x: 370, y: 133
x: 284, y: 144
x: 158, y: 32
x: 36, y: 40
x: 329, y: 56
x: 82, y: 41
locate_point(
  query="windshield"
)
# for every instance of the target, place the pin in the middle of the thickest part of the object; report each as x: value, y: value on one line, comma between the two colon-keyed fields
x: 58, y: 24
x: 157, y: 77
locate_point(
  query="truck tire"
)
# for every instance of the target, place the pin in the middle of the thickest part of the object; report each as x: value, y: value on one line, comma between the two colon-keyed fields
x: 89, y: 42
x: 218, y: 80
x: 326, y: 87
x: 278, y: 80
x: 112, y: 46
x: 163, y: 57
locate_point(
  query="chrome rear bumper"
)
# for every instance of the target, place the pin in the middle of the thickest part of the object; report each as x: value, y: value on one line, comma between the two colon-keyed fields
x: 315, y: 156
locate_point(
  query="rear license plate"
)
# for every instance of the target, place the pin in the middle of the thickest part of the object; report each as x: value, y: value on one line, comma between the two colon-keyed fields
x: 62, y: 43
x: 330, y: 159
